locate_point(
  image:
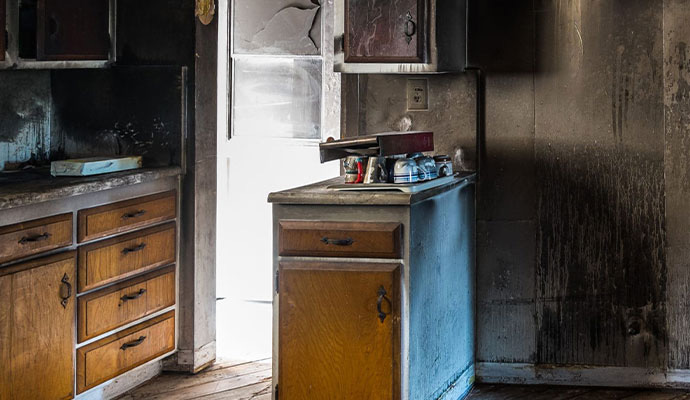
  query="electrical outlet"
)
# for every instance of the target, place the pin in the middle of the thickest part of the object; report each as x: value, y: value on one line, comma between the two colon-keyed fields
x: 417, y: 94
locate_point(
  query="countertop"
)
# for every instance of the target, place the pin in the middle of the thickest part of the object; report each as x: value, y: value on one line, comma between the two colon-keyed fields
x: 318, y: 193
x: 35, y: 186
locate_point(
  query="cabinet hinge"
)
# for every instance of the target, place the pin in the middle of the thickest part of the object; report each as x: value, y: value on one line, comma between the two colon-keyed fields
x: 276, y: 393
x: 277, y: 282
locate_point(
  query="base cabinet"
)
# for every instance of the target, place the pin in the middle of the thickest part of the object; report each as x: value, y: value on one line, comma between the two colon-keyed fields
x: 373, y: 301
x: 37, y: 329
x: 339, y: 328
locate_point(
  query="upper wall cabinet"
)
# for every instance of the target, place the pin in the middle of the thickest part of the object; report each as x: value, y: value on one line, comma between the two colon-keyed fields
x: 72, y: 30
x: 48, y: 34
x: 405, y: 36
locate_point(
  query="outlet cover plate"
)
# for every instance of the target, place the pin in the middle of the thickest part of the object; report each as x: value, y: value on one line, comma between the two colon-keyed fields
x: 417, y: 94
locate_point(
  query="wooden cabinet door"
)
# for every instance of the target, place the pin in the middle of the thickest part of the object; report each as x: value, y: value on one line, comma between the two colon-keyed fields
x: 5, y: 332
x: 333, y: 342
x: 41, y: 341
x: 385, y: 31
x: 72, y: 30
x: 3, y: 28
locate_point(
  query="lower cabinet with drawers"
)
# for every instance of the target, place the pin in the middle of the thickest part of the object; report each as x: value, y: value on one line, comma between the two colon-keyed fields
x: 95, y: 279
x: 373, y: 300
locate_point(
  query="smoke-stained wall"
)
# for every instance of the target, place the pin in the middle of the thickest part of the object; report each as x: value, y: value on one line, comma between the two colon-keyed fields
x: 583, y: 221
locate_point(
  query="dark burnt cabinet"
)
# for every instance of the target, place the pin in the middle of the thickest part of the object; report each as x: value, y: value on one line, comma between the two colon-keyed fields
x: 3, y: 21
x: 404, y: 36
x: 385, y: 31
x: 72, y: 30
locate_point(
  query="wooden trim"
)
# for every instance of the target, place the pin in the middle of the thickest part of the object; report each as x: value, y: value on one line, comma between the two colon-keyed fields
x: 37, y: 263
x: 82, y: 351
x: 83, y: 215
x: 83, y: 250
x: 82, y: 300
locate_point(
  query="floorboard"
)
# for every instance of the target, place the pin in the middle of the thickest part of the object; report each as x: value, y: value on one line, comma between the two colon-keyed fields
x: 232, y: 380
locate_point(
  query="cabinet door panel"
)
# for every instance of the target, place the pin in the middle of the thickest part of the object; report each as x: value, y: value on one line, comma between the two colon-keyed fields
x: 332, y: 342
x: 72, y: 30
x: 43, y: 331
x: 385, y: 31
x: 3, y: 20
x: 5, y: 327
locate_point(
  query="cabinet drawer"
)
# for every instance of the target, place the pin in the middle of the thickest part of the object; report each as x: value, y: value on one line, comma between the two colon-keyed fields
x: 118, y: 258
x: 116, y: 354
x: 107, y: 309
x: 124, y: 216
x: 340, y: 239
x: 33, y: 237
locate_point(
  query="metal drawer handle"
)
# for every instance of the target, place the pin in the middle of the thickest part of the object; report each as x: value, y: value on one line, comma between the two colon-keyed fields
x: 34, y: 239
x: 65, y: 284
x: 134, y: 249
x: 382, y: 296
x: 133, y: 343
x: 134, y: 214
x: 134, y: 296
x: 410, y: 28
x: 338, y: 242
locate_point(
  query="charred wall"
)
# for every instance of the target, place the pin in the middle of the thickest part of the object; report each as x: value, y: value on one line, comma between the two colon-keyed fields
x: 584, y: 188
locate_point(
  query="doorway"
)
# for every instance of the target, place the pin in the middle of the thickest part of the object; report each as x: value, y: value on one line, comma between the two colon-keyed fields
x: 283, y: 98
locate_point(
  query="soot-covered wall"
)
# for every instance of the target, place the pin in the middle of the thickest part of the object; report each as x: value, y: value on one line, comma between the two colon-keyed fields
x: 584, y: 195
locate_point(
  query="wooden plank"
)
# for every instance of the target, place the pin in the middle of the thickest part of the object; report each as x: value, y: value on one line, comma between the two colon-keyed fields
x: 258, y: 391
x: 223, y: 386
x: 657, y: 395
x: 605, y: 394
x: 508, y: 392
x: 170, y: 383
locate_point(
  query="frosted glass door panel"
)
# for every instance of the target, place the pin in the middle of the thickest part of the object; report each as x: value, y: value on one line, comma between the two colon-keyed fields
x: 277, y: 97
x: 285, y: 27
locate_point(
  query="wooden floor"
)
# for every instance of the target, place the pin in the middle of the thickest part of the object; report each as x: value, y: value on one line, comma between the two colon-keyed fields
x: 252, y: 380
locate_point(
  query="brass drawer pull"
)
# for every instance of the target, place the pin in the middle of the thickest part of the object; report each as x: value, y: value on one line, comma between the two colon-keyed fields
x: 134, y: 249
x: 68, y: 286
x: 134, y: 214
x: 34, y: 239
x: 382, y: 296
x: 135, y: 296
x: 133, y: 343
x: 338, y: 242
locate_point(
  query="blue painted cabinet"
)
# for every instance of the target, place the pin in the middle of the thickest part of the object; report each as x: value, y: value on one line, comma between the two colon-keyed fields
x: 374, y: 295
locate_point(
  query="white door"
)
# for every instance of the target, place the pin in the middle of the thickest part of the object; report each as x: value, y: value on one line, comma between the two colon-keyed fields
x: 283, y: 100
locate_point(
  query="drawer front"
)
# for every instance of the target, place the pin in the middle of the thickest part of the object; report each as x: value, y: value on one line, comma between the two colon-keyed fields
x: 33, y: 237
x: 340, y: 239
x: 114, y: 259
x: 114, y: 355
x: 125, y: 216
x: 108, y: 309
